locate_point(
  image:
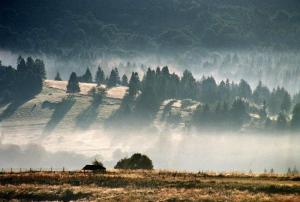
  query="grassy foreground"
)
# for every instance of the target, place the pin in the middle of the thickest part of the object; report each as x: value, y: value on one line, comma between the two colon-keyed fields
x: 147, y: 186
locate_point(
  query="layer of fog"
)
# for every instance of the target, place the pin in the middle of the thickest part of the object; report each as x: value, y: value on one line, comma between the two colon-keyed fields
x: 168, y: 150
x: 36, y: 157
x: 273, y: 68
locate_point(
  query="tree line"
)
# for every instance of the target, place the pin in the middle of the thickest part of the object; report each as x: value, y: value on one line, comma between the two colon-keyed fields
x: 22, y: 82
x: 225, y: 103
x: 170, y: 85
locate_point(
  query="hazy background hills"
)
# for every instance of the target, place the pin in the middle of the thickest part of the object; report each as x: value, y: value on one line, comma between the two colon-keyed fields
x: 255, y: 40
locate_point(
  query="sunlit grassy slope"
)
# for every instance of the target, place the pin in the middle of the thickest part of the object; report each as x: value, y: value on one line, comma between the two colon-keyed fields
x: 33, y: 118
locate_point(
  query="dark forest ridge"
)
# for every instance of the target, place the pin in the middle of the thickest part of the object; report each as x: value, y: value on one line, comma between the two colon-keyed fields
x: 70, y: 27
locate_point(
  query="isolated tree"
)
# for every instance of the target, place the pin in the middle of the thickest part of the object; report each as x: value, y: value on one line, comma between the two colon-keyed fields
x: 124, y: 80
x: 114, y: 78
x: 136, y: 161
x: 57, y: 77
x: 87, y: 77
x: 100, y: 77
x: 98, y: 94
x: 117, y: 76
x: 97, y: 163
x: 73, y: 84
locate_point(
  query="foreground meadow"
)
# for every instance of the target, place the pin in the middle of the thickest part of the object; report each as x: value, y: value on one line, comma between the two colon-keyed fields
x: 147, y: 186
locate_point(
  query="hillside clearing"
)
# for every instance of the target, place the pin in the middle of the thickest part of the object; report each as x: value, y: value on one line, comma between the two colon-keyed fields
x: 115, y: 92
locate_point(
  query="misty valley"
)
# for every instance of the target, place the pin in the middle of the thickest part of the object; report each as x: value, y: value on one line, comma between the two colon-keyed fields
x: 107, y: 115
x: 150, y: 100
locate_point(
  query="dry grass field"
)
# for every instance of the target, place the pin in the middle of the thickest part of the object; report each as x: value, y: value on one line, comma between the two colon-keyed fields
x: 147, y: 186
x: 115, y: 92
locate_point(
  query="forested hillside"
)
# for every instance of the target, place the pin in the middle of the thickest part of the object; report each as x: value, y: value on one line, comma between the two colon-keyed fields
x: 86, y: 27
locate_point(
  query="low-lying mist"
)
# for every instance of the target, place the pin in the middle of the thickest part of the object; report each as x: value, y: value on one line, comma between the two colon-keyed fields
x: 168, y: 150
x: 271, y: 67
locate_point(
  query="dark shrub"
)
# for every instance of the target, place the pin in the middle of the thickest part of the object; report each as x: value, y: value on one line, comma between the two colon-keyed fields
x: 136, y: 161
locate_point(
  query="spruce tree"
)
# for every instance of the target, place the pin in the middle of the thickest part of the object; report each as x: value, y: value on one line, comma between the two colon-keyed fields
x: 21, y: 67
x: 118, y: 80
x: 188, y: 85
x: 134, y: 84
x: 114, y: 78
x: 87, y: 77
x: 39, y: 68
x: 100, y: 77
x: 57, y: 77
x: 73, y: 84
x: 124, y: 80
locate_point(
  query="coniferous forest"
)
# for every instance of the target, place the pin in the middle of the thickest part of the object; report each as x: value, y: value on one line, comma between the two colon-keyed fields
x: 83, y: 28
x: 223, y: 105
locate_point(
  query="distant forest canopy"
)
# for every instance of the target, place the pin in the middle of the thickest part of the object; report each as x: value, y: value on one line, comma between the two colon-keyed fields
x: 86, y: 27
